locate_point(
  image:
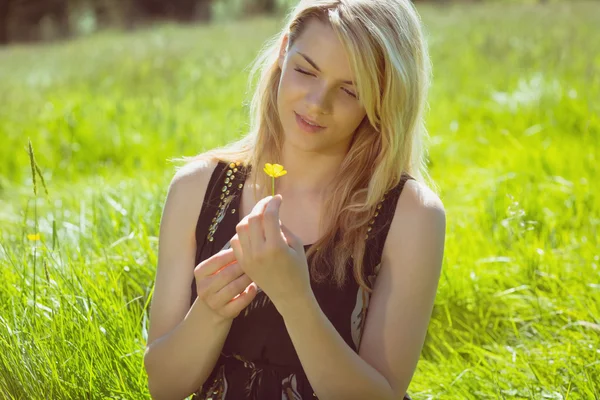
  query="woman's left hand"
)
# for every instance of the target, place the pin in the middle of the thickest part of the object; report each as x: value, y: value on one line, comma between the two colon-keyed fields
x: 272, y: 256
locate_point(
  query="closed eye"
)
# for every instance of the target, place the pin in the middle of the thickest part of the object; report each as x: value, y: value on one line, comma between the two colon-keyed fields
x: 309, y: 74
x: 303, y: 72
x: 350, y: 93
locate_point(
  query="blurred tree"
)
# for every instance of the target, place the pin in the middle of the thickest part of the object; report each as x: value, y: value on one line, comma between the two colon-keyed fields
x: 29, y: 20
x: 204, y: 10
x: 182, y: 10
x: 179, y: 10
x: 3, y: 21
x: 260, y: 7
x: 110, y: 12
x: 21, y: 19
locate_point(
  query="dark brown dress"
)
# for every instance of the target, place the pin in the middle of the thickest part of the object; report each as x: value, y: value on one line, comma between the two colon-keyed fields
x: 258, y: 360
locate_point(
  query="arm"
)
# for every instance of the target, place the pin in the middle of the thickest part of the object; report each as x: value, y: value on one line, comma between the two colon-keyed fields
x: 179, y: 362
x: 183, y: 343
x: 399, y: 311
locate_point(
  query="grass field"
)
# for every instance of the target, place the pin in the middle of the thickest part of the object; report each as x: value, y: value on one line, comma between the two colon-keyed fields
x: 515, y: 151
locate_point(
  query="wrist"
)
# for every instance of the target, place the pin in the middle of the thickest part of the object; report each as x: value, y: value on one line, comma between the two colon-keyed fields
x: 208, y: 315
x: 297, y: 306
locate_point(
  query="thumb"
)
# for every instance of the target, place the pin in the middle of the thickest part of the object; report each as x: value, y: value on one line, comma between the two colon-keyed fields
x: 271, y: 219
x: 292, y: 240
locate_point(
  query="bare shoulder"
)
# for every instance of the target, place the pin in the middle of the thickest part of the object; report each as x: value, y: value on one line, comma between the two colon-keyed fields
x: 186, y: 192
x: 419, y: 212
x: 192, y: 179
x: 416, y: 196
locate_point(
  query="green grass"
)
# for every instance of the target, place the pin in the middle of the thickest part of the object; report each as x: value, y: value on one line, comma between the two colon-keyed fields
x: 515, y: 150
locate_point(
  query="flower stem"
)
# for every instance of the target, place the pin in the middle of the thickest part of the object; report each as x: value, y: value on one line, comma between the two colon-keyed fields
x: 273, y: 185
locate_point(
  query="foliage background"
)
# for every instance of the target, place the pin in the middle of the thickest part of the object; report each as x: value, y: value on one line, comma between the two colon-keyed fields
x: 515, y: 133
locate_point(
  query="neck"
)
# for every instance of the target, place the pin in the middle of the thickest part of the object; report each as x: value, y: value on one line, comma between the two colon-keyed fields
x: 308, y: 173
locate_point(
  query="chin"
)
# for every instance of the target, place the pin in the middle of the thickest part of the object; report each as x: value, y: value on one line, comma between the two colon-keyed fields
x: 296, y: 139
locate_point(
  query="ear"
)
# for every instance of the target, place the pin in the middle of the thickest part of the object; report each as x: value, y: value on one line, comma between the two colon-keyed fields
x: 283, y: 50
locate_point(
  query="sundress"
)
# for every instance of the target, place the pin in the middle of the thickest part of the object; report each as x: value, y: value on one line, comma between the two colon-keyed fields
x: 258, y: 360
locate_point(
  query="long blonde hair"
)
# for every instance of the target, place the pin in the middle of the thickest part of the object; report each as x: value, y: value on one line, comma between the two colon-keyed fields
x: 389, y: 56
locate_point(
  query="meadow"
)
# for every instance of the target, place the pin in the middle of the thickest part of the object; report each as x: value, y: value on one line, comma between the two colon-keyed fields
x: 514, y: 126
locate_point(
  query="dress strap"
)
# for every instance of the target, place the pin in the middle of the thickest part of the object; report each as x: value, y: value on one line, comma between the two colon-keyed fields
x: 209, y: 206
x: 216, y: 215
x: 380, y: 226
x: 224, y: 186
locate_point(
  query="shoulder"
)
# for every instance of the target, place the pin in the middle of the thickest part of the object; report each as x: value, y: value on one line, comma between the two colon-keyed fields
x: 193, y: 177
x: 416, y: 197
x: 419, y: 219
x: 187, y: 189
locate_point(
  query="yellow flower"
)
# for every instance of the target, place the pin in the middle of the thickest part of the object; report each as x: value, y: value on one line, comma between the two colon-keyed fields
x: 32, y: 236
x: 274, y: 171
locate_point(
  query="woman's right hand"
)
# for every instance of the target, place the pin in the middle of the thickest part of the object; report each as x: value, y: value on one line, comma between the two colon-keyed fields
x: 222, y: 285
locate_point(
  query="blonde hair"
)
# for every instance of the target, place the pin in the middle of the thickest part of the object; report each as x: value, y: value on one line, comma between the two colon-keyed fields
x: 388, y: 54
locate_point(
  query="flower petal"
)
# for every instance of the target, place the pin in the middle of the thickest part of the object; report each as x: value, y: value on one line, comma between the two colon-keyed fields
x: 274, y: 170
x: 268, y: 169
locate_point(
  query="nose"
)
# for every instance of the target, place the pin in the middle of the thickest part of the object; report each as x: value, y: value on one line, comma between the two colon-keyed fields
x: 318, y: 101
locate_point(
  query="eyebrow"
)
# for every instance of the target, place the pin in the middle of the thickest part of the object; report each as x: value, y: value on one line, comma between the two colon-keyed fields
x: 314, y: 65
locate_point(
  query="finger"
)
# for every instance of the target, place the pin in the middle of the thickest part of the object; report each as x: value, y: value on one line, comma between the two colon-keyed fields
x: 293, y: 241
x: 259, y: 207
x: 256, y: 233
x: 251, y: 287
x: 271, y: 221
x: 224, y: 277
x: 214, y: 263
x: 236, y: 247
x: 237, y: 304
x: 255, y: 224
x: 243, y: 228
x: 244, y: 238
x: 231, y: 290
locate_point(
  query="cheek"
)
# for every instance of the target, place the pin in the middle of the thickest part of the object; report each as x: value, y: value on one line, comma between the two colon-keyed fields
x: 291, y: 86
x: 286, y: 98
x: 348, y: 118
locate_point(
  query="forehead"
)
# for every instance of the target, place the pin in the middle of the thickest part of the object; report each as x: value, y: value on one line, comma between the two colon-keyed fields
x: 320, y: 42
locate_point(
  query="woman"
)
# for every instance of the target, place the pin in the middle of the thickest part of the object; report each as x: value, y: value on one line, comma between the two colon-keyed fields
x: 266, y: 297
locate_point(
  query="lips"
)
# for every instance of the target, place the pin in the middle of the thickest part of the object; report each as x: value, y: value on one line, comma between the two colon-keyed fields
x: 306, y: 126
x: 309, y: 121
